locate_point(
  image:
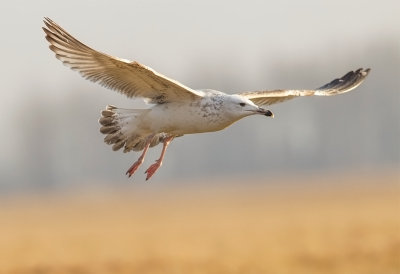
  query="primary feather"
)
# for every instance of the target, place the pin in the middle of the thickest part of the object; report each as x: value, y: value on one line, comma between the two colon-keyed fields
x: 128, y: 77
x: 349, y: 81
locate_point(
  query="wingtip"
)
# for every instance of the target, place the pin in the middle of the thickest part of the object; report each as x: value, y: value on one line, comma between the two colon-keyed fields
x: 366, y: 71
x: 48, y: 23
x: 362, y: 71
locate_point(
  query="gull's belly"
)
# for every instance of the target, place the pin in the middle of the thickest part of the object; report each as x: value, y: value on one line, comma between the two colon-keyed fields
x: 179, y: 119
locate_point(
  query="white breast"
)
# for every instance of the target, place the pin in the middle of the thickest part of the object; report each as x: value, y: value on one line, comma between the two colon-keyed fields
x: 185, y: 118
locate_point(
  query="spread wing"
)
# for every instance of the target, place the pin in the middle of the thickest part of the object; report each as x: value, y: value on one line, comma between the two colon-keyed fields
x: 130, y: 78
x: 338, y: 86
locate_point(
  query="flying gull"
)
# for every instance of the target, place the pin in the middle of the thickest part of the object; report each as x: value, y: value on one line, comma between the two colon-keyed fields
x: 177, y: 109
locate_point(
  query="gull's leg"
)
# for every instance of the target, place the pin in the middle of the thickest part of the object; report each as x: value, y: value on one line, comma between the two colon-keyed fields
x: 139, y: 161
x: 153, y: 168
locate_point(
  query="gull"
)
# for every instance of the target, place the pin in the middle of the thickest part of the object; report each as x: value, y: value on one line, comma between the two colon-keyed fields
x: 176, y: 109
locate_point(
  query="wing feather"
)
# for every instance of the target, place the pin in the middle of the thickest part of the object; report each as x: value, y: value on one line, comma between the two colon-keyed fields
x: 348, y: 82
x: 127, y: 77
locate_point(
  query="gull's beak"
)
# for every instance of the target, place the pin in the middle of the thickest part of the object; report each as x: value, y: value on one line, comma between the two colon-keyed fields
x: 265, y: 112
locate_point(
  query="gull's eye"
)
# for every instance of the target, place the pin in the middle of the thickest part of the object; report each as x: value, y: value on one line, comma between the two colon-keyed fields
x: 242, y: 104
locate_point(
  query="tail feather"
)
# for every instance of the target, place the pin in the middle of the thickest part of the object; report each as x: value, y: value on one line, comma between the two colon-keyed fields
x: 118, y: 145
x: 106, y: 121
x: 122, y: 130
x: 113, y: 138
x: 108, y: 112
x: 109, y: 129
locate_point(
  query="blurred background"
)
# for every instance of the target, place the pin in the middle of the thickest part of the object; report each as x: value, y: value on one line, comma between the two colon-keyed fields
x: 50, y: 133
x: 51, y: 145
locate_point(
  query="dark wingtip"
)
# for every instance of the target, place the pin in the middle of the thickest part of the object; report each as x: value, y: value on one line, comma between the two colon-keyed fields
x: 347, y: 82
x: 269, y: 114
x: 363, y: 73
x: 366, y: 71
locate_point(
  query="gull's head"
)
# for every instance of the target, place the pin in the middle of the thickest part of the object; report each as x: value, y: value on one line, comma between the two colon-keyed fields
x: 239, y: 107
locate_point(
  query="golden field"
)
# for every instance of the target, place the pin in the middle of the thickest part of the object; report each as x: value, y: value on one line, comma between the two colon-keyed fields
x: 310, y: 224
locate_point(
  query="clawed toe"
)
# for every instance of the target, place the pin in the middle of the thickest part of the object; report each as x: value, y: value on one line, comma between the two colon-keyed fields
x: 137, y: 164
x: 133, y: 169
x: 152, y: 169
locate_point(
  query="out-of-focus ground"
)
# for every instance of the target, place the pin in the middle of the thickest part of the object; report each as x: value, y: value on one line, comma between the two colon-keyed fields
x: 323, y: 223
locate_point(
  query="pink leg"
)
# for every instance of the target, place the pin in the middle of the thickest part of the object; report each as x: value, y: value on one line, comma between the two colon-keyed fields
x: 139, y: 161
x: 153, y: 168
